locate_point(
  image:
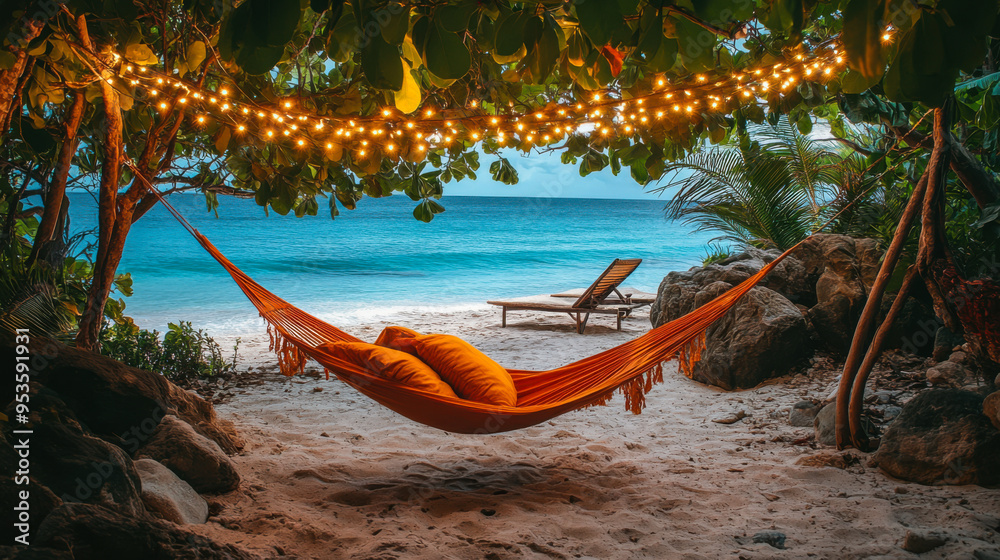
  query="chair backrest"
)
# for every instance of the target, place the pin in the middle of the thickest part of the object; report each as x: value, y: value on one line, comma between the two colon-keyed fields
x: 607, y: 282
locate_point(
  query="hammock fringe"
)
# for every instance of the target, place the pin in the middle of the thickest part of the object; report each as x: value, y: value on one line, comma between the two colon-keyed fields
x: 291, y: 359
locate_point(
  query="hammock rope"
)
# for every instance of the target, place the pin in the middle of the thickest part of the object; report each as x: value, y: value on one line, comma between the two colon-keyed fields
x: 632, y: 368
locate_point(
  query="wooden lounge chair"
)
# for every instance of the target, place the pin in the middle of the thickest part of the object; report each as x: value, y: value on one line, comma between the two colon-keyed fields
x: 595, y: 299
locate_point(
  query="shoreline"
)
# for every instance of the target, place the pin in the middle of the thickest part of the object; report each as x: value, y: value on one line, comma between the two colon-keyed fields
x: 330, y: 474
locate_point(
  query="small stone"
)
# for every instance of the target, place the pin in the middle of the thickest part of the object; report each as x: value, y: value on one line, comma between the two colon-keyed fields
x: 773, y: 538
x: 891, y: 412
x: 920, y: 543
x: 730, y: 417
x: 958, y: 357
x: 771, y: 497
x: 803, y: 414
x: 324, y: 434
x: 947, y: 374
x: 488, y: 512
x: 317, y: 389
x: 901, y: 490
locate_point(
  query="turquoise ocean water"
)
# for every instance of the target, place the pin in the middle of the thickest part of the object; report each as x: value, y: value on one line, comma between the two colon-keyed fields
x: 377, y: 261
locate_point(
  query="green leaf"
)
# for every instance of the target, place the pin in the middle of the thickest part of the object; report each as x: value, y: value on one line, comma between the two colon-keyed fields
x: 696, y: 45
x: 397, y: 22
x: 855, y: 82
x: 407, y: 99
x: 455, y: 17
x: 426, y: 210
x: 864, y: 22
x: 510, y: 33
x: 141, y: 54
x: 195, y: 56
x: 222, y: 139
x: 7, y: 59
x: 382, y: 65
x: 445, y: 54
x: 599, y: 20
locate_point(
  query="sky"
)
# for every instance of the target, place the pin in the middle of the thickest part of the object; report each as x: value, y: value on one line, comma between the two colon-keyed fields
x: 544, y: 175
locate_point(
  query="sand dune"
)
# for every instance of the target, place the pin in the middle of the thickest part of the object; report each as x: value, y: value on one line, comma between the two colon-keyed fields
x: 329, y: 474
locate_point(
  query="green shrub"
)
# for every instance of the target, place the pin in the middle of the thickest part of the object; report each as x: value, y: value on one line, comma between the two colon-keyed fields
x: 715, y: 253
x: 184, y: 353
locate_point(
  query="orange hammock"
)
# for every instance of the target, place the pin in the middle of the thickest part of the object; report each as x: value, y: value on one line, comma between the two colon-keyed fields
x: 632, y: 367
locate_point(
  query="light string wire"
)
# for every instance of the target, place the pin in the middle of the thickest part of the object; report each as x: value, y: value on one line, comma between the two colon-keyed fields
x: 390, y: 133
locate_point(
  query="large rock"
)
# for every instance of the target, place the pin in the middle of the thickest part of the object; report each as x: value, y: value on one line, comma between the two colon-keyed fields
x: 991, y: 408
x: 845, y: 269
x: 762, y: 336
x: 194, y: 458
x: 69, y: 462
x: 947, y: 374
x: 116, y: 402
x: 828, y: 277
x: 942, y: 437
x: 93, y: 532
x: 167, y: 496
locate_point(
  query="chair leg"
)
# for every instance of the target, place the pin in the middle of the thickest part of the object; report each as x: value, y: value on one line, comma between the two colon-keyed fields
x: 581, y: 325
x: 503, y: 319
x: 620, y: 320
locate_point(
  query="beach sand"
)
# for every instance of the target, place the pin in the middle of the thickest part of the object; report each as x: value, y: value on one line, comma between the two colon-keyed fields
x: 328, y: 473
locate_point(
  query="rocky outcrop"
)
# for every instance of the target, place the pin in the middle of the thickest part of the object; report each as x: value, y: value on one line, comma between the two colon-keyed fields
x: 194, y: 458
x: 72, y: 464
x: 124, y: 404
x: 92, y: 532
x: 761, y: 337
x: 815, y: 297
x: 942, y: 437
x: 167, y: 496
x: 87, y: 496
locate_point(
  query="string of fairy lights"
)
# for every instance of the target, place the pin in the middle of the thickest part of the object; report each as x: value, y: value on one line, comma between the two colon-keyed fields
x: 390, y: 133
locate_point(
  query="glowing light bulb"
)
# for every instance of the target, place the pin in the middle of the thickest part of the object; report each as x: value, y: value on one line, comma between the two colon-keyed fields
x: 241, y: 128
x: 386, y: 112
x: 201, y: 119
x: 301, y: 142
x: 288, y: 104
x: 409, y: 125
x: 163, y: 105
x: 270, y: 133
x: 390, y: 147
x: 224, y: 91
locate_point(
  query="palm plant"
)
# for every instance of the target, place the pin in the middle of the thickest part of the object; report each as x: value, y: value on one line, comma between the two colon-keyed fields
x: 770, y: 189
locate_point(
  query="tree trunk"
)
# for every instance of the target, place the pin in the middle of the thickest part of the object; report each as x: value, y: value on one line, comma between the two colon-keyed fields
x: 862, y: 333
x: 11, y: 78
x: 109, y: 246
x: 859, y: 438
x: 57, y: 186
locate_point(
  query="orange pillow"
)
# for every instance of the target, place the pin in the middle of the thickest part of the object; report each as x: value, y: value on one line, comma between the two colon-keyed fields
x: 472, y: 374
x: 398, y: 338
x: 390, y: 364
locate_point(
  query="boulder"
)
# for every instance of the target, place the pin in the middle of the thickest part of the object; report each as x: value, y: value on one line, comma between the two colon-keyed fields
x: 826, y: 425
x: 761, y: 337
x: 803, y: 414
x: 169, y: 497
x: 33, y: 553
x: 942, y: 437
x: 194, y: 458
x: 991, y: 408
x: 947, y: 374
x: 944, y: 343
x: 70, y: 463
x: 93, y: 532
x: 919, y: 542
x: 116, y: 402
x: 845, y: 269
